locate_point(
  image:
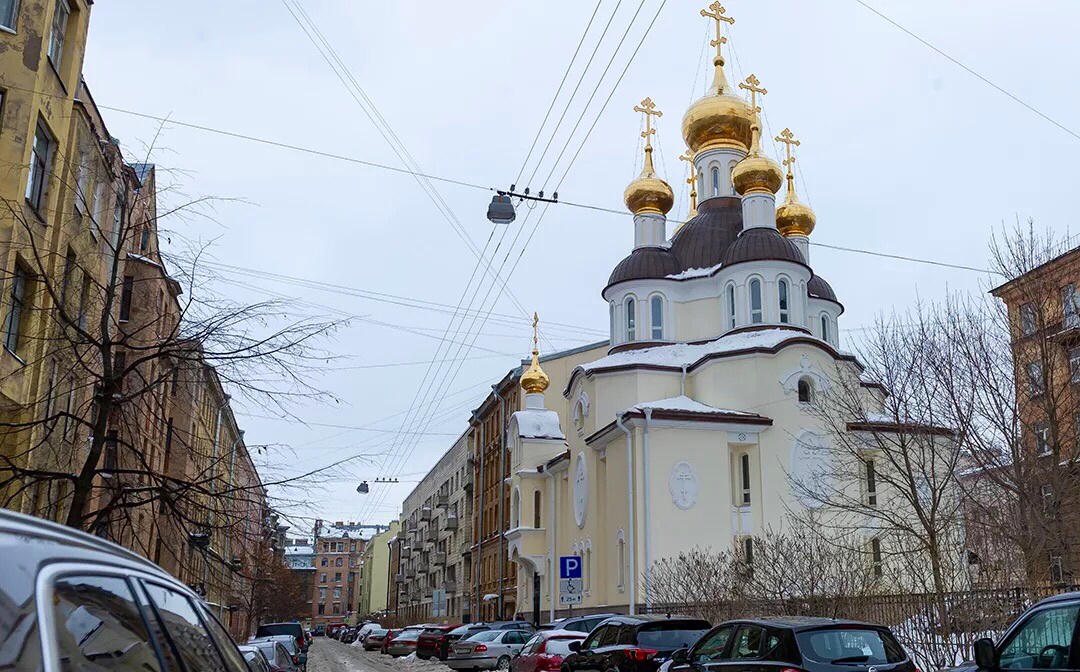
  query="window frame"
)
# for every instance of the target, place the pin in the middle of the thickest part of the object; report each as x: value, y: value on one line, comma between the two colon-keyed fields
x: 17, y: 303
x: 9, y: 24
x: 783, y: 300
x: 1069, y: 314
x: 55, y: 29
x: 745, y: 480
x: 37, y: 178
x: 870, y: 482
x: 630, y: 319
x: 732, y: 321
x: 1028, y: 319
x: 805, y: 390
x: 1036, y: 379
x: 655, y: 314
x: 714, y: 173
x: 754, y: 289
x: 127, y: 291
x: 876, y: 561
x: 1043, y: 444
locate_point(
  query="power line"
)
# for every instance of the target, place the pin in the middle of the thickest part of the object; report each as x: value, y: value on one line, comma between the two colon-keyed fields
x: 972, y: 72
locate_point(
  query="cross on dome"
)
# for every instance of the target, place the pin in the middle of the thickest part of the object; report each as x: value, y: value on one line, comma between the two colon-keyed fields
x: 688, y: 156
x: 717, y: 14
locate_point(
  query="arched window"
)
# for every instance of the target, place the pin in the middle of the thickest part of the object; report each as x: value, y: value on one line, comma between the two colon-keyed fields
x: 715, y: 173
x: 731, y: 306
x: 806, y: 391
x: 536, y: 509
x: 337, y: 563
x: 782, y: 295
x: 588, y: 568
x: 730, y: 170
x: 614, y: 338
x: 656, y: 315
x: 620, y: 545
x: 825, y: 327
x: 756, y: 314
x: 701, y: 182
x: 325, y: 562
x: 744, y: 479
x: 631, y: 319
x: 515, y: 509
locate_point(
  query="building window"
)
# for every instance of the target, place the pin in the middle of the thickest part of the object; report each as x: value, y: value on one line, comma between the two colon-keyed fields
x: 7, y: 13
x: 111, y: 444
x: 611, y: 316
x: 17, y: 298
x: 871, y: 483
x: 782, y: 296
x: 1036, y: 379
x: 1068, y: 306
x: 588, y: 569
x: 337, y: 593
x: 1042, y: 438
x: 325, y: 562
x: 40, y: 163
x: 715, y: 172
x: 322, y: 578
x: 806, y: 391
x: 144, y: 240
x: 825, y: 328
x: 337, y: 576
x: 875, y: 558
x: 58, y: 33
x: 1027, y: 319
x: 1048, y: 497
x: 119, y: 369
x: 744, y: 478
x: 1074, y: 365
x: 1057, y: 574
x: 631, y: 319
x: 537, y: 502
x: 620, y: 545
x: 748, y: 555
x: 656, y: 314
x: 756, y: 314
x: 731, y: 306
x: 125, y: 297
x: 322, y: 609
x: 338, y: 562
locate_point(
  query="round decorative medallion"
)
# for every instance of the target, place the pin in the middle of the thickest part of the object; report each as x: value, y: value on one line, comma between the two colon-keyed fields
x: 581, y: 490
x: 683, y: 485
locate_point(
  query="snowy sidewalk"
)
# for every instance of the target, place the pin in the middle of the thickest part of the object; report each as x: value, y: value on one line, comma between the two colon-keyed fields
x: 328, y: 655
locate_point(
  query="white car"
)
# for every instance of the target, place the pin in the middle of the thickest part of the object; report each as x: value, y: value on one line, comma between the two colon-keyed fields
x: 364, y: 631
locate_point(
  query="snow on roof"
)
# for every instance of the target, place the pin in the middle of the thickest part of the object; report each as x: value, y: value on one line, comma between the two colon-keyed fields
x: 685, y: 354
x: 684, y: 404
x: 694, y: 273
x: 299, y: 550
x: 538, y: 423
x: 145, y: 260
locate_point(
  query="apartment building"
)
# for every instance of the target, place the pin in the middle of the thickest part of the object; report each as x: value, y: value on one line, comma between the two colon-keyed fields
x: 375, y: 578
x: 339, y: 552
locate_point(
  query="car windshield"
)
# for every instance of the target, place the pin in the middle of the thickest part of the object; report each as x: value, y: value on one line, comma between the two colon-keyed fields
x: 850, y: 646
x: 465, y: 630
x: 560, y: 646
x: 486, y: 636
x: 671, y: 635
x: 408, y: 636
x: 378, y: 632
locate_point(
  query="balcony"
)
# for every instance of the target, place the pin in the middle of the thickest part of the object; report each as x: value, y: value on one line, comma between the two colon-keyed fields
x: 442, y: 501
x: 406, y: 552
x: 428, y: 591
x: 467, y: 482
x: 422, y: 567
x: 466, y: 548
x: 425, y: 514
x: 399, y: 578
x: 451, y: 523
x: 450, y: 586
x: 410, y: 573
x: 439, y: 558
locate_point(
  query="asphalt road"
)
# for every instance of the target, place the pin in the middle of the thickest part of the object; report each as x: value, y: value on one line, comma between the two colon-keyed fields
x: 329, y: 655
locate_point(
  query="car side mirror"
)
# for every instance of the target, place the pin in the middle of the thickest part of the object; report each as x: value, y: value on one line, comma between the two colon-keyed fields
x: 681, y: 656
x: 985, y: 655
x: 574, y: 646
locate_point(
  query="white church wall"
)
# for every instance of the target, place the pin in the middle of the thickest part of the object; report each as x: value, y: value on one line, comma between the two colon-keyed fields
x: 616, y: 392
x: 699, y: 319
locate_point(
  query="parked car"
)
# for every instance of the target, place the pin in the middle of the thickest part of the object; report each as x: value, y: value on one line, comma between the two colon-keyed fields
x: 633, y: 643
x: 319, y: 631
x: 276, y: 654
x: 255, y: 658
x: 348, y: 636
x: 433, y: 642
x: 374, y: 639
x: 389, y: 637
x: 298, y: 655
x: 294, y: 629
x: 95, y: 593
x: 1040, y: 639
x: 810, y: 644
x: 403, y: 643
x: 545, y: 651
x: 585, y: 624
x: 487, y: 650
x: 366, y: 628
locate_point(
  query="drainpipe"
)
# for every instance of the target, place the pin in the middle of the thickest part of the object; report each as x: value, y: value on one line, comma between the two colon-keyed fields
x: 479, y: 531
x: 551, y: 548
x: 630, y: 511
x: 648, y: 507
x: 502, y: 495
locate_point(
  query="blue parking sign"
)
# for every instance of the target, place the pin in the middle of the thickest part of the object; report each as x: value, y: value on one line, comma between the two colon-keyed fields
x: 569, y: 567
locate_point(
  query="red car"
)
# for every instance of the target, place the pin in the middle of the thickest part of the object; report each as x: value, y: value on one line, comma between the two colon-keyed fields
x: 545, y: 651
x: 433, y: 642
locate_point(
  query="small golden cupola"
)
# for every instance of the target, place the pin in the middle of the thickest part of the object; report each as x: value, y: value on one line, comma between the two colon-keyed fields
x: 756, y: 173
x: 534, y: 380
x: 794, y: 218
x: 648, y: 194
x: 721, y: 119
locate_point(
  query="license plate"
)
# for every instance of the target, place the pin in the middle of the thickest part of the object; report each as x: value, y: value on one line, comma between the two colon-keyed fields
x: 462, y: 649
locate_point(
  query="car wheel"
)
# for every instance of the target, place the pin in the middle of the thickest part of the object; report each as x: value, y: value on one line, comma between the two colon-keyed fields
x: 503, y: 663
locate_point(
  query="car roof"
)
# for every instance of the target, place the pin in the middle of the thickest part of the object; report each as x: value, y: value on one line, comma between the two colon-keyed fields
x: 551, y: 634
x: 798, y: 623
x: 1063, y: 597
x: 642, y: 619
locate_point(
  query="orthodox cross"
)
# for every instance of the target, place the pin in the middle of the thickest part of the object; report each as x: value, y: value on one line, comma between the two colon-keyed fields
x: 753, y: 85
x: 717, y: 14
x: 692, y: 181
x: 536, y: 321
x: 648, y: 107
x: 788, y: 138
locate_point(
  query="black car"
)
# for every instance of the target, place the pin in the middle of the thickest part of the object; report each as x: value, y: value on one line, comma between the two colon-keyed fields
x: 811, y: 644
x: 633, y: 643
x: 1040, y: 639
x: 77, y: 602
x: 584, y: 624
x: 294, y: 629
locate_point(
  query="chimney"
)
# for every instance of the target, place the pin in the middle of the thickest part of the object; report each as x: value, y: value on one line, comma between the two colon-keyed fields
x: 339, y: 523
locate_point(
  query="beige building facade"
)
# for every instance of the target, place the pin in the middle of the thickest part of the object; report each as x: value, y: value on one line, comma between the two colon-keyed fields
x: 375, y: 579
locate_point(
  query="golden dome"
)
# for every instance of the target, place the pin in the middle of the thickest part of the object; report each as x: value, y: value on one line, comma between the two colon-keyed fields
x: 720, y: 119
x: 793, y: 217
x: 534, y: 381
x: 757, y: 173
x: 648, y: 193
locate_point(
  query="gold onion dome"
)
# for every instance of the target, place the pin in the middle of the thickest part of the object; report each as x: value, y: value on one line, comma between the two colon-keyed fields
x: 535, y: 381
x: 721, y: 118
x: 793, y: 217
x: 648, y: 194
x: 756, y: 173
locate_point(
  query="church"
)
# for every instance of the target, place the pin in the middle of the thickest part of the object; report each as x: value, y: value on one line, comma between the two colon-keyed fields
x: 687, y: 433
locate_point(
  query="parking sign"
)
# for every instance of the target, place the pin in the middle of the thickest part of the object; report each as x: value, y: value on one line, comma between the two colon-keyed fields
x: 569, y: 567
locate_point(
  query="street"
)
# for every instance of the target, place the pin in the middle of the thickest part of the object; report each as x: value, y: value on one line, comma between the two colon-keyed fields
x: 330, y: 655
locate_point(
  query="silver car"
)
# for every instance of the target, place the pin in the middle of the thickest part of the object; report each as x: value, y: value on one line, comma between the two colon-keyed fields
x: 488, y: 650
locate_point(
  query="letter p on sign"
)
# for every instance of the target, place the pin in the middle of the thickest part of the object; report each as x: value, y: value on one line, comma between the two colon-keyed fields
x: 569, y: 567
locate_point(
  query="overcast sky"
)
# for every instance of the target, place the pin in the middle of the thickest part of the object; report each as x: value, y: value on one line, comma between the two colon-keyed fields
x: 903, y: 152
